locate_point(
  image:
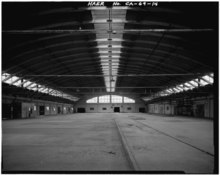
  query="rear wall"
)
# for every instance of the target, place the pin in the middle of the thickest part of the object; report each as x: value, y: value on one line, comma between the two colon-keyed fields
x: 109, y: 107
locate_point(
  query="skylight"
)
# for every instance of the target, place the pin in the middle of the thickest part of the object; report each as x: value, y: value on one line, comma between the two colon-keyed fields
x: 17, y: 81
x: 201, y: 81
x: 109, y: 41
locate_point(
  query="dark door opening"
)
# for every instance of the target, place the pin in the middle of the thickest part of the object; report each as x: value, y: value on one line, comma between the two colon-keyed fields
x: 142, y: 110
x: 42, y: 110
x: 16, y: 110
x: 200, y: 111
x: 58, y: 110
x: 81, y: 110
x: 116, y: 109
x: 6, y: 111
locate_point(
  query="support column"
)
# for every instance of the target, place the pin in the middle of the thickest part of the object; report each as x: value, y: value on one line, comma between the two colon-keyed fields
x: 22, y: 82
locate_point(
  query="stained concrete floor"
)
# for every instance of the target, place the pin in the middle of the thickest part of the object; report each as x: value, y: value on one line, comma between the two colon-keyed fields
x: 93, y: 142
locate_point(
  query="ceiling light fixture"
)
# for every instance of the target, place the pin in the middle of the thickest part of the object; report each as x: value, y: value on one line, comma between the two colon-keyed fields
x: 114, y: 32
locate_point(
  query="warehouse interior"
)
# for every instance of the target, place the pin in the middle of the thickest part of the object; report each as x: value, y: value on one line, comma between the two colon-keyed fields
x: 110, y: 86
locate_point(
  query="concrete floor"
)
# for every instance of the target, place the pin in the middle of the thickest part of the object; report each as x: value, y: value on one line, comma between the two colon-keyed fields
x: 93, y: 142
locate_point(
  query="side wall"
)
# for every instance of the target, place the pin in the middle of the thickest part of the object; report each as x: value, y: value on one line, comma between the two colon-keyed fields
x: 161, y: 108
x: 27, y: 108
x: 196, y: 107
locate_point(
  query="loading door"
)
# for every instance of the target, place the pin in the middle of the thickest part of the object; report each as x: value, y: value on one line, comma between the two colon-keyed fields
x: 116, y: 109
x: 81, y: 110
x: 42, y: 110
x: 142, y: 110
x: 59, y: 110
x: 200, y: 111
x: 17, y: 110
x: 6, y: 111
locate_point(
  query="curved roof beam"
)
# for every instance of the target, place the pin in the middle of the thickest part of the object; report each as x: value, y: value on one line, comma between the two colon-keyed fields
x: 168, y: 36
x: 83, y: 41
x: 88, y: 60
x: 137, y: 56
x: 79, y: 49
x: 80, y: 9
x: 87, y: 68
x: 114, y: 21
x: 104, y: 31
x: 135, y: 48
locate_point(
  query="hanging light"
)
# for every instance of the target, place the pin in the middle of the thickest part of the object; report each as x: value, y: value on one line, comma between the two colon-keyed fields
x: 112, y: 80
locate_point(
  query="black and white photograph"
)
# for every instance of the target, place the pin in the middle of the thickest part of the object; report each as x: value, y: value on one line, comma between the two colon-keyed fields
x: 109, y: 87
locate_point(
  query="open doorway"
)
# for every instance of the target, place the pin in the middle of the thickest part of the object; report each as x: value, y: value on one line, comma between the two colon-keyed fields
x: 59, y: 110
x: 42, y: 110
x: 116, y: 109
x: 142, y: 110
x: 81, y: 110
x: 6, y: 111
x: 200, y: 111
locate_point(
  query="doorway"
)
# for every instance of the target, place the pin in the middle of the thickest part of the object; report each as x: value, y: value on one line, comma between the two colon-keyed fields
x: 6, y: 111
x: 200, y: 111
x: 42, y: 110
x: 81, y: 110
x: 116, y: 109
x: 59, y: 110
x: 142, y: 110
x: 17, y: 110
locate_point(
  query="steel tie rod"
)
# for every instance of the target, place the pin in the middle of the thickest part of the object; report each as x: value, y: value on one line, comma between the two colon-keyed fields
x: 125, y: 75
x: 104, y: 31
